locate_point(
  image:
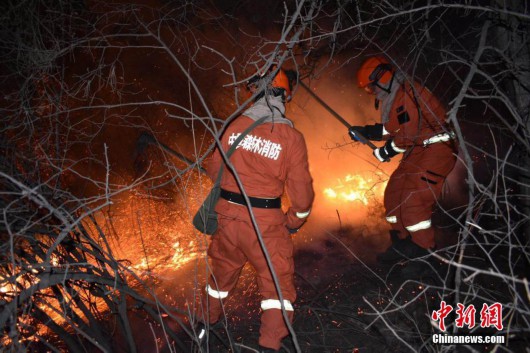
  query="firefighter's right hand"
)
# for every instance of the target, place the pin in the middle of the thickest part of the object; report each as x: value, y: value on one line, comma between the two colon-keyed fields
x: 381, y: 154
x: 353, y: 131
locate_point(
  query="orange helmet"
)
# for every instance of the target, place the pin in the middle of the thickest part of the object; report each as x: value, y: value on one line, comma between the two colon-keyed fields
x: 281, y: 84
x: 375, y: 70
x: 281, y: 80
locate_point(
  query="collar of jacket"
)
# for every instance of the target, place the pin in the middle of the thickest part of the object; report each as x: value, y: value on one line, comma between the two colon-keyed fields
x: 271, y: 107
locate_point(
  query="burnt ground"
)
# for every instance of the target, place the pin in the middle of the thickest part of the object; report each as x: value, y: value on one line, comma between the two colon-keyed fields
x: 339, y: 288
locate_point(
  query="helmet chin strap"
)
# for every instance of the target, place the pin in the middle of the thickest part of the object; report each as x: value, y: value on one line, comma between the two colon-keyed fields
x: 275, y: 92
x: 386, y: 89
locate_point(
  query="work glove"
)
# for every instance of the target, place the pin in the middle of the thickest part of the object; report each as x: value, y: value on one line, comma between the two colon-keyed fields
x: 371, y: 132
x: 353, y: 131
x: 292, y: 222
x: 293, y: 230
x: 385, y: 153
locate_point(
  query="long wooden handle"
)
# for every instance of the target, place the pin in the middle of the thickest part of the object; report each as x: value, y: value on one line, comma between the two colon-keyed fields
x: 362, y: 138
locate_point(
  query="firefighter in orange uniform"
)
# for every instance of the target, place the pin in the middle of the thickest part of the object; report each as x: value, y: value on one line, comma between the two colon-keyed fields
x: 271, y: 159
x: 413, y: 124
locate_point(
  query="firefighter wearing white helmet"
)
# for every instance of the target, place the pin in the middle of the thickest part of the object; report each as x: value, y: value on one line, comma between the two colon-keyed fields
x: 413, y: 125
x: 271, y: 159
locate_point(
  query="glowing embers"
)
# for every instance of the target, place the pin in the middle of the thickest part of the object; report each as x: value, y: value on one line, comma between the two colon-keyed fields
x: 25, y: 275
x: 40, y: 297
x: 9, y: 290
x: 182, y: 254
x: 357, y: 187
x: 152, y: 235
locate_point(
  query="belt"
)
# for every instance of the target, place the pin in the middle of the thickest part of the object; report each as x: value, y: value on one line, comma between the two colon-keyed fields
x: 446, y: 136
x: 257, y: 202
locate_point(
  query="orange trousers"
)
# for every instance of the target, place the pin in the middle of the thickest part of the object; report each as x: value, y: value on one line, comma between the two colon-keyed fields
x: 232, y: 246
x: 414, y: 189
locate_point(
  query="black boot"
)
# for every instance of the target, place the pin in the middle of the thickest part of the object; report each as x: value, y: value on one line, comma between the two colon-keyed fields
x: 201, y: 335
x: 425, y: 267
x: 394, y: 236
x: 416, y: 269
x: 267, y: 350
x: 401, y: 249
x: 204, y: 333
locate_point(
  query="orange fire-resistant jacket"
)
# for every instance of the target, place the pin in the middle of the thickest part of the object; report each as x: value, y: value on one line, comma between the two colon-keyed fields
x: 417, y: 128
x: 404, y: 123
x: 271, y: 159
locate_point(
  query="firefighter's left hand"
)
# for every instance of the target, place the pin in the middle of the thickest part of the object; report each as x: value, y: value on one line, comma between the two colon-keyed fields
x: 354, y: 132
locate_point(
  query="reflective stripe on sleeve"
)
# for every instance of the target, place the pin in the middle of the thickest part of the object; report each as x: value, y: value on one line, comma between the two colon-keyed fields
x: 384, y: 131
x: 396, y: 148
x: 215, y: 293
x: 377, y: 155
x: 303, y: 215
x: 391, y: 219
x: 419, y: 226
x: 275, y: 304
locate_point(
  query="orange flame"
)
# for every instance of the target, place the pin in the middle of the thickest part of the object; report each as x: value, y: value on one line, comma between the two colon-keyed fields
x: 356, y: 187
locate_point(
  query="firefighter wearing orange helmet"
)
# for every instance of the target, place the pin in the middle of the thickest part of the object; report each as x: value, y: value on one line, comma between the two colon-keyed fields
x: 271, y: 159
x: 413, y: 124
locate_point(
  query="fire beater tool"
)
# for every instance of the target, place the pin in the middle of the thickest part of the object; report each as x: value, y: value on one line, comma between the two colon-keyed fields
x: 146, y: 139
x: 362, y: 138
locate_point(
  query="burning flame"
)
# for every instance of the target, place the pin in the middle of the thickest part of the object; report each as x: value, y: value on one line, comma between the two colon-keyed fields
x: 357, y: 187
x: 154, y: 235
x: 181, y: 255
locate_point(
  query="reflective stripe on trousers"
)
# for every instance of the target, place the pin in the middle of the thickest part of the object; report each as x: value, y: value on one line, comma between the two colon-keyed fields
x: 276, y: 304
x: 419, y: 226
x: 215, y: 293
